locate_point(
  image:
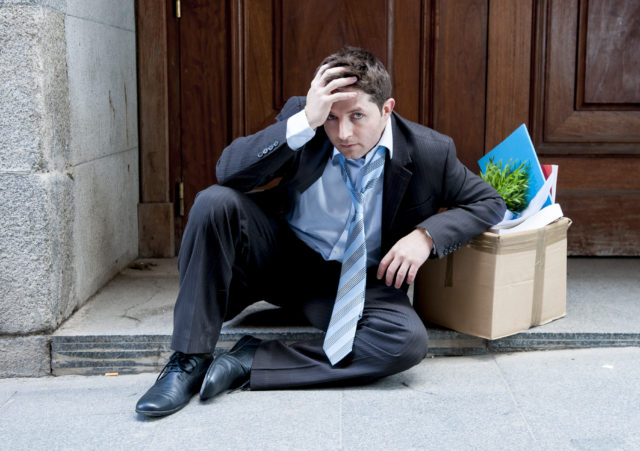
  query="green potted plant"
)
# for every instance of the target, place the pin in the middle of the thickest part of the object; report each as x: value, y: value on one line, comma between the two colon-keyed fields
x: 511, y: 180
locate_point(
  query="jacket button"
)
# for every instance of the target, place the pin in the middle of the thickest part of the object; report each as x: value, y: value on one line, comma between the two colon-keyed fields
x: 275, y: 143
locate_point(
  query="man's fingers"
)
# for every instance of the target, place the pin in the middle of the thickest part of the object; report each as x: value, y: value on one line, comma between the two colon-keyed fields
x: 400, y: 275
x: 411, y: 276
x: 324, y: 72
x: 339, y: 83
x: 391, y: 271
x: 339, y: 96
x: 320, y: 73
x: 404, y: 259
x: 382, y: 267
x: 330, y: 72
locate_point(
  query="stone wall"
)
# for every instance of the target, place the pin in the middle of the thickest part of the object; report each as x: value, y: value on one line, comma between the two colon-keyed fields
x: 68, y: 157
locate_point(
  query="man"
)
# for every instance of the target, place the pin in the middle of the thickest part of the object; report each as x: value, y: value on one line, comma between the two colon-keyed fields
x: 339, y: 238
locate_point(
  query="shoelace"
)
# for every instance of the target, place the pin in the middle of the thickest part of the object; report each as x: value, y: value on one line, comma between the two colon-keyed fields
x: 179, y: 362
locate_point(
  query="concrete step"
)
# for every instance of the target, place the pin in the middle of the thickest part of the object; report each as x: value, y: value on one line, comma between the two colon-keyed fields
x: 129, y: 354
x: 126, y: 327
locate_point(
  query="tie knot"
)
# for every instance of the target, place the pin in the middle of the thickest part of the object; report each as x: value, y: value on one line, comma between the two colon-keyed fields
x: 369, y: 173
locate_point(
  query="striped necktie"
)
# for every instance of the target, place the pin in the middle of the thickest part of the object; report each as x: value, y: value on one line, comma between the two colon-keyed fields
x: 349, y: 304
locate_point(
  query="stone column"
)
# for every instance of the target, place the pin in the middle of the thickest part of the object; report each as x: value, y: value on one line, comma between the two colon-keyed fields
x: 68, y: 165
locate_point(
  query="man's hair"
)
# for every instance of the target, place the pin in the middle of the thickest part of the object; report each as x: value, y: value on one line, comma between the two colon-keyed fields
x: 373, y: 78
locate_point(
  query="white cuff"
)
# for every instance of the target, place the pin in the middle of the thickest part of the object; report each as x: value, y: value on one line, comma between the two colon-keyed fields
x: 298, y: 131
x: 433, y: 249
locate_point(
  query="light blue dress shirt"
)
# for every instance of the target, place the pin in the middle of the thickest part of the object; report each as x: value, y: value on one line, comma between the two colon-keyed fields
x: 321, y: 214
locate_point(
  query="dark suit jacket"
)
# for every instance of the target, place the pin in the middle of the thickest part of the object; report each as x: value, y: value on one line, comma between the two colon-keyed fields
x: 423, y: 176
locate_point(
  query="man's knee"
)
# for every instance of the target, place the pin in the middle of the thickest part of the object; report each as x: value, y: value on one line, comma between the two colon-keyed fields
x: 415, y: 348
x: 418, y: 342
x: 215, y: 201
x: 398, y: 344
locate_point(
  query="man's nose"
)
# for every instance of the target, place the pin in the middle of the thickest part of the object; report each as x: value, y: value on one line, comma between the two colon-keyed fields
x: 345, y: 130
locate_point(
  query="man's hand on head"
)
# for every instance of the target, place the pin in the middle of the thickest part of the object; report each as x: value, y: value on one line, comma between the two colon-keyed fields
x: 405, y: 258
x: 323, y: 95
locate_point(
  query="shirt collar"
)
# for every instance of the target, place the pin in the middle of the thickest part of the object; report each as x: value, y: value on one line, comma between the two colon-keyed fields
x: 386, y: 140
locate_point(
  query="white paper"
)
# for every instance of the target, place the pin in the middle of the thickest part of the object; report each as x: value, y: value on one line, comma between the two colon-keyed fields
x: 508, y: 222
x: 538, y: 220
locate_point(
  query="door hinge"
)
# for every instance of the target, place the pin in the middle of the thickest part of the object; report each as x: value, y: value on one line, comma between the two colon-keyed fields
x: 178, y: 11
x: 181, y: 199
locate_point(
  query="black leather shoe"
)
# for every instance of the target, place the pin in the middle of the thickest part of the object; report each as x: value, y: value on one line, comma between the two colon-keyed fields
x: 178, y: 381
x: 230, y: 369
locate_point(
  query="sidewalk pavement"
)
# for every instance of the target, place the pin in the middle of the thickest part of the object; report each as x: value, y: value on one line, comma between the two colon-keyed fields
x: 568, y: 399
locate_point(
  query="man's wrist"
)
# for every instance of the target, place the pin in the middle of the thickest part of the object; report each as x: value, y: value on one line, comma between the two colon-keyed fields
x: 306, y: 116
x: 298, y: 130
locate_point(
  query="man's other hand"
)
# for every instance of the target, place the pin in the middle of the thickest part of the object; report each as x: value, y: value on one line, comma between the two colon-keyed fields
x: 323, y: 95
x: 405, y: 258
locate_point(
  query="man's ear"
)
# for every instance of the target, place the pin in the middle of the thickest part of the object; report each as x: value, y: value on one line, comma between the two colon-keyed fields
x: 387, y: 106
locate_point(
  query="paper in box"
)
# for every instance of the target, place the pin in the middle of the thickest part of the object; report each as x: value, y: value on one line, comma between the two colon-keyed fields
x: 497, y: 285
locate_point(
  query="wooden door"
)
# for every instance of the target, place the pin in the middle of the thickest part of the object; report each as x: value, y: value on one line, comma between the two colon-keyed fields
x: 570, y: 69
x: 586, y: 116
x: 237, y: 63
x: 473, y: 69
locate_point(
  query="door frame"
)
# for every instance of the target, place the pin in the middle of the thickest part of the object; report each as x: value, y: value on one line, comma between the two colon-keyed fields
x: 156, y: 234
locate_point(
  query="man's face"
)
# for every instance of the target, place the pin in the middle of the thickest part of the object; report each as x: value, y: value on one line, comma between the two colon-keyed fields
x: 354, y: 126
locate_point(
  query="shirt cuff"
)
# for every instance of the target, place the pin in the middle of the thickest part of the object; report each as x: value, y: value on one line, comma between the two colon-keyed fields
x: 433, y: 249
x: 298, y: 131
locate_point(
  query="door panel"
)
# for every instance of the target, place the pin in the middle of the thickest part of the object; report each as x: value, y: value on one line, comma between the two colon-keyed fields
x: 612, y: 63
x: 567, y: 118
x: 459, y: 75
x: 204, y: 93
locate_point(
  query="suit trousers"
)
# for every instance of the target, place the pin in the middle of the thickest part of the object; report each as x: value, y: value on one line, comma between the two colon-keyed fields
x: 234, y: 254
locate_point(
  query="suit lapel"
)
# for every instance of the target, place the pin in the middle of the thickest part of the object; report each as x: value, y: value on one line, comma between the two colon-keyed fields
x: 397, y: 175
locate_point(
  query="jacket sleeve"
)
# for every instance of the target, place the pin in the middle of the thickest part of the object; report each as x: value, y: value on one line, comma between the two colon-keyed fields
x: 253, y: 161
x: 472, y: 206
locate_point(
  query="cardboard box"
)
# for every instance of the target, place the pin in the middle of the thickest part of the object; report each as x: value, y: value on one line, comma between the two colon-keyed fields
x: 497, y: 285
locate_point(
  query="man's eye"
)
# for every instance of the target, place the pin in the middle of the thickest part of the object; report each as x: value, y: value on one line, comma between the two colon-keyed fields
x: 331, y: 117
x: 358, y: 115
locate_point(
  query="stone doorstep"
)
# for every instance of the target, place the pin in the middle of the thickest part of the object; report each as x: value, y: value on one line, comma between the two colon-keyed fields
x: 125, y: 327
x: 127, y: 354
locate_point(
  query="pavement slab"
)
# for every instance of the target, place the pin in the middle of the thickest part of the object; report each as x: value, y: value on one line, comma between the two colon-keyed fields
x: 568, y: 399
x: 578, y: 400
x: 440, y: 404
